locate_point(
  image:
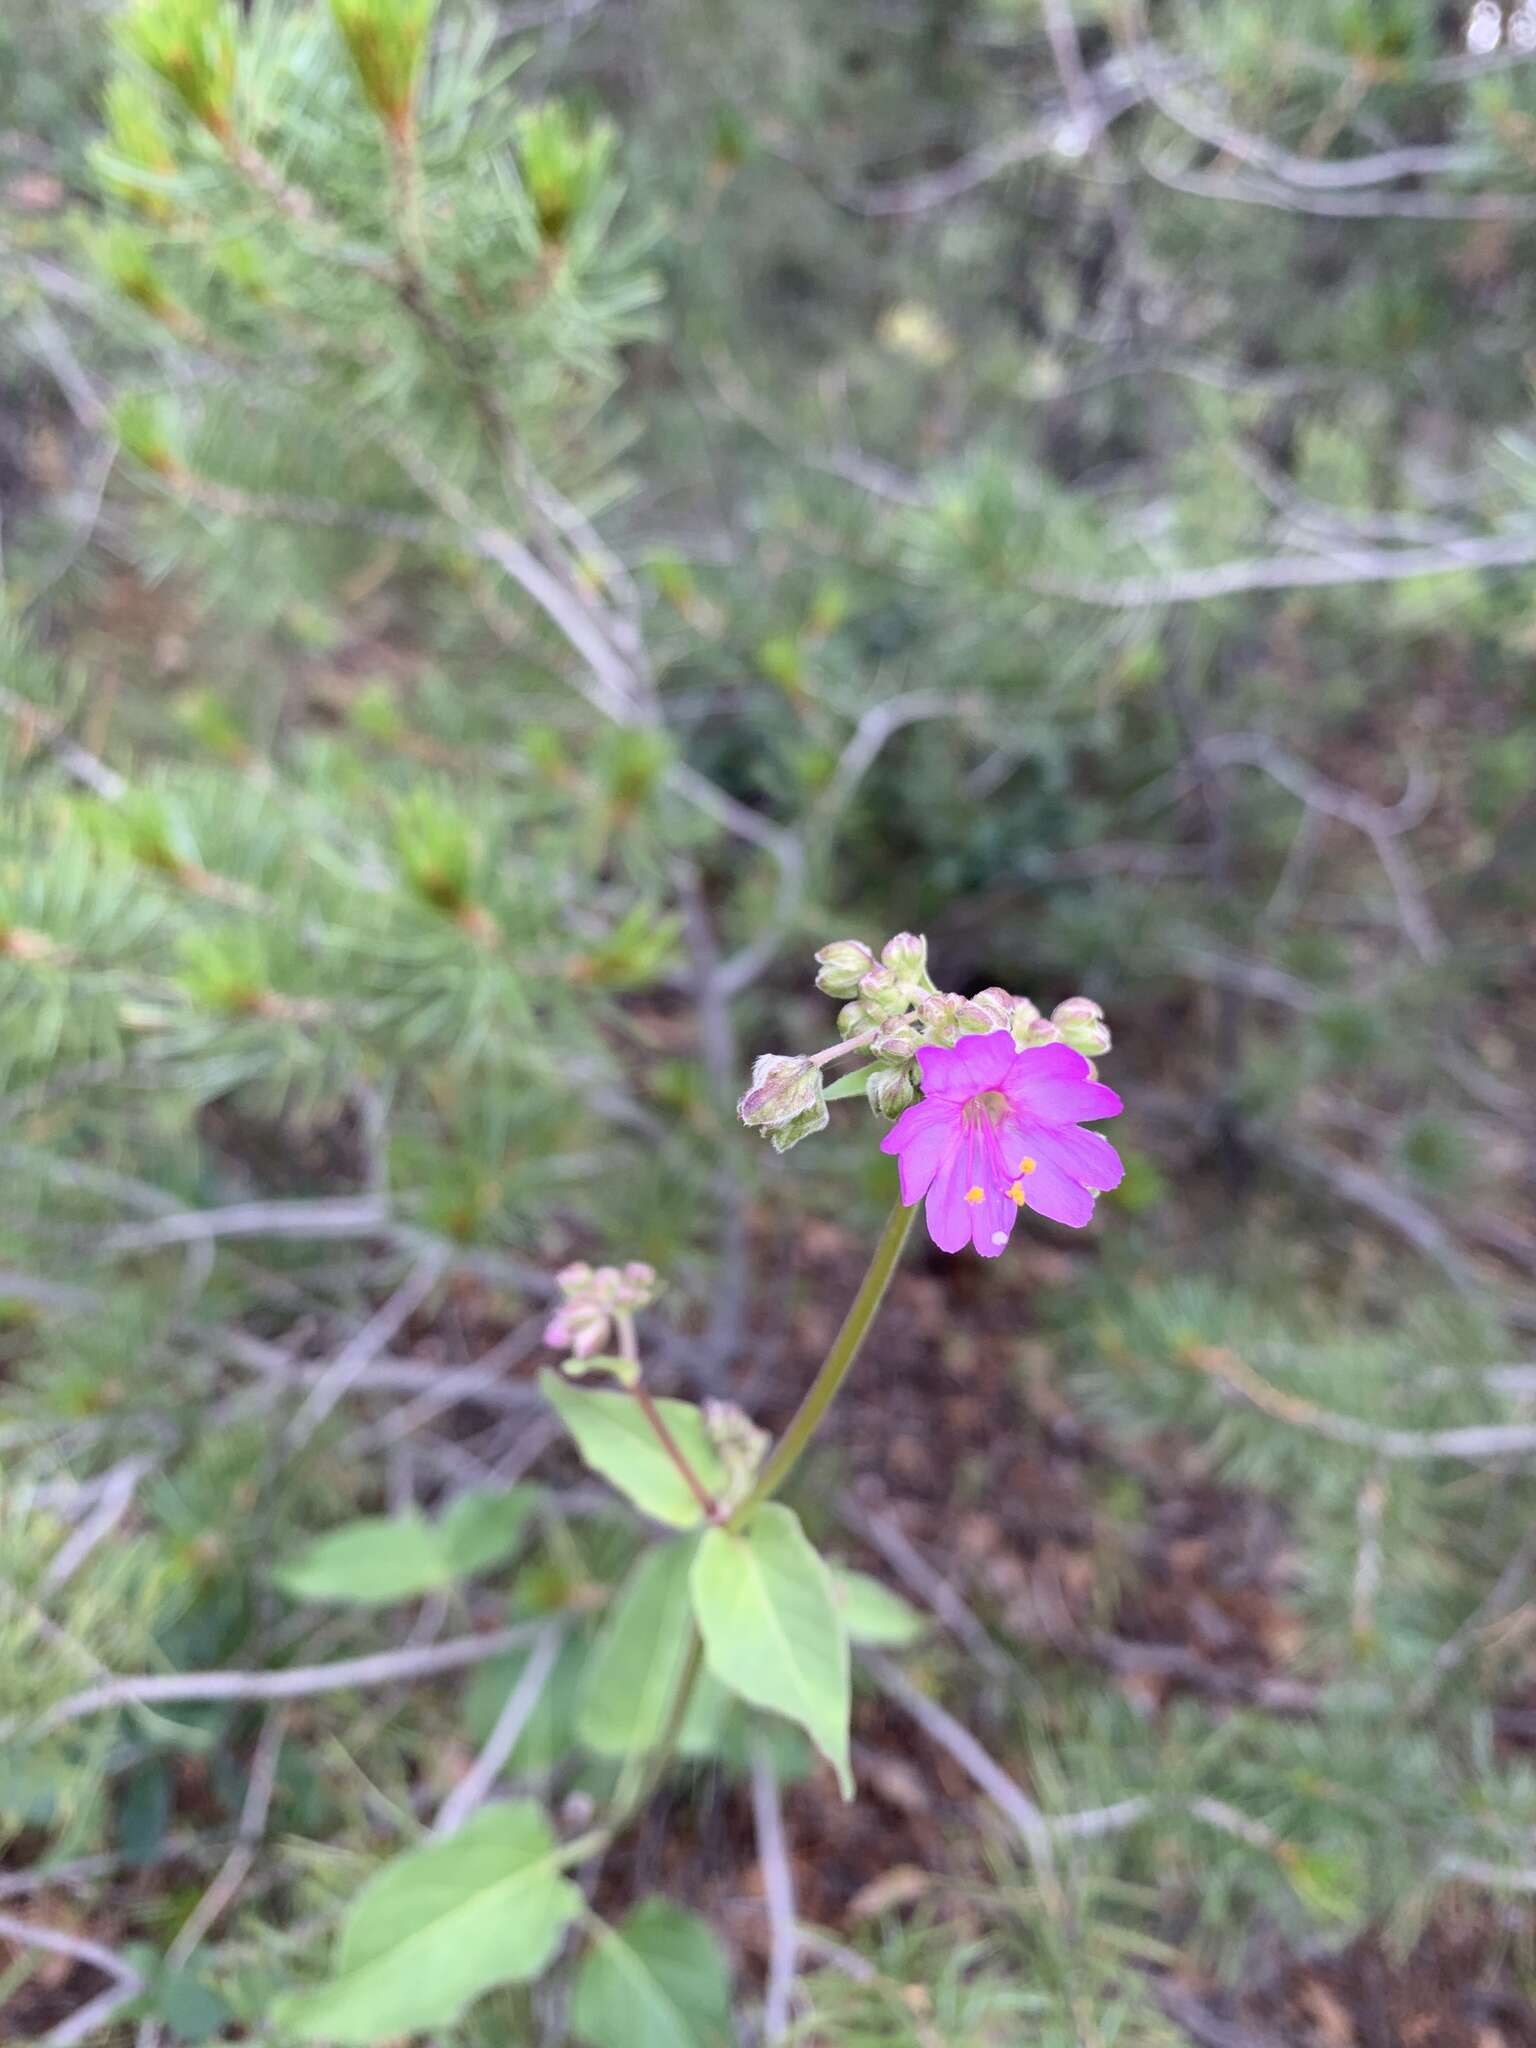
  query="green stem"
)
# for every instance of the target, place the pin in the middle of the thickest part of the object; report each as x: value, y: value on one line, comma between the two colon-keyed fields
x: 836, y: 1366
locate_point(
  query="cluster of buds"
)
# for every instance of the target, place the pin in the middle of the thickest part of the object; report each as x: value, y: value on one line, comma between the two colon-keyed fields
x: 740, y: 1446
x: 891, y: 1010
x: 593, y: 1300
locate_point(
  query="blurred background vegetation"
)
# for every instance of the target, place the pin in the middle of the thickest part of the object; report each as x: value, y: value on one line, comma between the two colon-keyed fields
x: 1055, y: 474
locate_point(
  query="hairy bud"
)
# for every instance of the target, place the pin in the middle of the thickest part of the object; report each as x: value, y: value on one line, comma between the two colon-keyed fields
x: 1081, y: 1023
x: 890, y: 1090
x: 897, y: 1042
x: 841, y: 966
x: 786, y: 1099
x: 906, y: 955
x: 882, y: 994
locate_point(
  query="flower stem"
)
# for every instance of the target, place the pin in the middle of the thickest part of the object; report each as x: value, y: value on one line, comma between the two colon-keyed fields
x: 674, y: 1450
x: 629, y: 1348
x: 837, y: 1364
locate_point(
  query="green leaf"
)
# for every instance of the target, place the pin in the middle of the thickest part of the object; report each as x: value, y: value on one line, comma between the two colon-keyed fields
x: 383, y: 1558
x: 873, y: 1615
x: 767, y: 1611
x: 658, y: 1980
x: 625, y: 1370
x: 637, y: 1662
x: 617, y: 1442
x: 369, y: 1563
x: 482, y: 1529
x: 440, y: 1926
x: 722, y: 1729
x: 190, y: 2009
x: 849, y: 1085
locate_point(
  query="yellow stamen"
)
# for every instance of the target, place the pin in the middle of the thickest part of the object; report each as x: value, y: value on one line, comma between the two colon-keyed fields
x: 1016, y: 1194
x: 1025, y: 1165
x: 973, y: 1196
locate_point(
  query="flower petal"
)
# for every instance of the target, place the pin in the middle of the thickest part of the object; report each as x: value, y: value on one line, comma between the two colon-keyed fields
x: 945, y: 1075
x: 919, y: 1139
x: 1050, y: 1083
x: 1083, y: 1156
x: 992, y: 1220
x: 1050, y: 1192
x: 948, y: 1212
x: 987, y: 1058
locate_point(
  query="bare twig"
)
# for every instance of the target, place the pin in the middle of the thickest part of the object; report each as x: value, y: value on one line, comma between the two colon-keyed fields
x: 1347, y: 566
x: 127, y: 1982
x: 1474, y: 1445
x: 1066, y: 131
x: 115, y: 1500
x: 353, y: 1360
x: 778, y: 1896
x: 384, y: 1667
x: 32, y: 721
x: 475, y: 1787
x: 931, y: 1587
x: 237, y: 1865
x: 1010, y: 1798
x: 342, y: 1216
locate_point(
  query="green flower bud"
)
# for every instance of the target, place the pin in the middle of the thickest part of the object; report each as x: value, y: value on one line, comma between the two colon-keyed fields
x: 897, y: 1042
x: 852, y: 1018
x: 890, y: 1090
x: 786, y: 1099
x: 841, y: 966
x: 882, y: 995
x: 1081, y: 1023
x: 740, y: 1446
x: 971, y: 1019
x: 906, y: 955
x: 997, y: 1004
x: 1023, y: 1022
x: 939, y: 1017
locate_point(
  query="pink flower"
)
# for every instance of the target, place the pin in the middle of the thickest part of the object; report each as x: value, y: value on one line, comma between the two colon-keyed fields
x: 996, y: 1132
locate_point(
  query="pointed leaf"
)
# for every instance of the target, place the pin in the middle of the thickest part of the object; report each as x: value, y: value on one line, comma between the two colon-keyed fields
x: 658, y: 1980
x: 481, y: 1528
x: 369, y: 1563
x: 616, y: 1441
x: 440, y: 1926
x: 637, y: 1662
x: 772, y: 1632
x: 873, y: 1615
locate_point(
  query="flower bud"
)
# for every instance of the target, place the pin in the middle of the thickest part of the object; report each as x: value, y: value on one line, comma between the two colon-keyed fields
x: 897, y: 1042
x: 852, y: 1018
x: 890, y: 1090
x: 580, y: 1327
x: 637, y: 1286
x: 882, y: 995
x: 786, y: 1099
x: 971, y: 1018
x: 939, y: 1018
x: 1023, y: 1021
x: 841, y: 965
x: 1040, y: 1031
x: 997, y: 1004
x: 1081, y: 1023
x: 740, y: 1446
x: 906, y: 955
